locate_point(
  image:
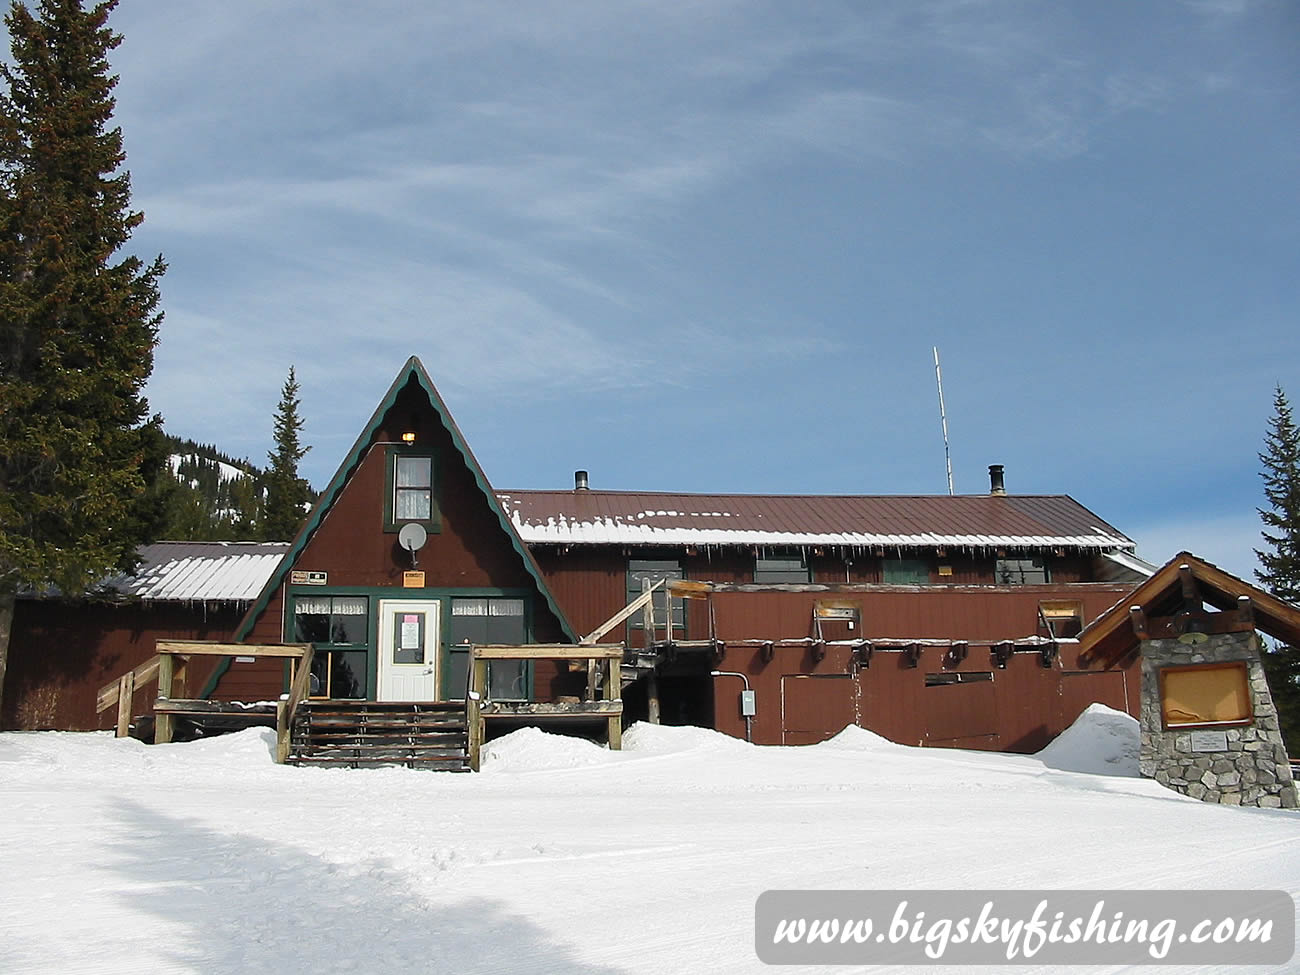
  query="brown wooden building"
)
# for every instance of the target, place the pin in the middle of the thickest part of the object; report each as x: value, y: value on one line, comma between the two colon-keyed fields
x: 62, y: 650
x: 931, y: 620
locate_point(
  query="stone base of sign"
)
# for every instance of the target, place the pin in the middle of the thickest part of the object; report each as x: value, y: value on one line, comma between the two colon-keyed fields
x: 1241, y: 766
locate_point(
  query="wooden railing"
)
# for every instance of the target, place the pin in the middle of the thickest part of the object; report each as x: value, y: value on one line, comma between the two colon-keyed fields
x: 168, y: 668
x: 609, y: 708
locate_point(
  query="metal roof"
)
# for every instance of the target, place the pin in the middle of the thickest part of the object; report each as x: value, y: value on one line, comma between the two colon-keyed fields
x: 891, y: 521
x: 201, y: 571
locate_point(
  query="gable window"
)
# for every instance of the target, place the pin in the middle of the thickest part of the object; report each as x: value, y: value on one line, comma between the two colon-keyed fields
x: 488, y: 620
x: 776, y: 570
x: 410, y: 490
x: 641, y: 571
x: 1021, y: 572
x: 339, y: 629
x: 1061, y: 619
x: 905, y: 572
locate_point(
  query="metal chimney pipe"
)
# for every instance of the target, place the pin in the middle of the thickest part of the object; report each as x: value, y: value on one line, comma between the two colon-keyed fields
x: 580, y: 480
x: 996, y: 483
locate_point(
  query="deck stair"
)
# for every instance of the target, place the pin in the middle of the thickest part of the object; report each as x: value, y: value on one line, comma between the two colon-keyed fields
x: 366, y: 734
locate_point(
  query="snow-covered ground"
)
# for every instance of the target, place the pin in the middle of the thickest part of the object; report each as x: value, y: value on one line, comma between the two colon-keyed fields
x: 561, y: 857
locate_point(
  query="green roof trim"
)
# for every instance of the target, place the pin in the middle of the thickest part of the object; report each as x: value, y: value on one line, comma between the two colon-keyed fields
x: 413, y: 369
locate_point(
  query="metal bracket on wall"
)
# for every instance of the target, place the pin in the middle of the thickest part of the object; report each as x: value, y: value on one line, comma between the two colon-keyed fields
x: 1002, y: 653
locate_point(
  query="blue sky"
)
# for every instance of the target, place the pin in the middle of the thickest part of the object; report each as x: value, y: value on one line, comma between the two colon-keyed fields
x: 708, y: 246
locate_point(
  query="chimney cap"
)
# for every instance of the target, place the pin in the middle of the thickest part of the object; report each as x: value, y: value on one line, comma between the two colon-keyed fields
x: 997, y: 484
x: 580, y: 481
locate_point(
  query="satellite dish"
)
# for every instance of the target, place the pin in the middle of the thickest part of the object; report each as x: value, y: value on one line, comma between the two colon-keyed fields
x: 412, y: 537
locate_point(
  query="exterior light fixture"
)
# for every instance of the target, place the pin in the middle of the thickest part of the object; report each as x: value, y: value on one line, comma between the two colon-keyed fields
x: 408, y: 437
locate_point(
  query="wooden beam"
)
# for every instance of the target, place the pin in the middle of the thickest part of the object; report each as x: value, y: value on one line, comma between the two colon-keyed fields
x: 1246, y: 611
x: 622, y: 614
x: 546, y: 651
x: 544, y: 709
x: 163, y: 721
x: 652, y: 697
x: 1191, y: 594
x: 125, y: 690
x: 689, y: 588
x: 215, y: 648
x: 474, y: 709
x: 108, y: 696
x: 1139, y: 620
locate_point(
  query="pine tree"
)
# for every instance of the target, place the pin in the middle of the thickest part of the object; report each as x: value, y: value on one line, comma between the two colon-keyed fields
x: 287, y: 494
x: 79, y: 458
x: 1280, y: 560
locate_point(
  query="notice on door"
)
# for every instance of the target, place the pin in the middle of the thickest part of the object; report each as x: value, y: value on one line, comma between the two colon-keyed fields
x: 409, y: 635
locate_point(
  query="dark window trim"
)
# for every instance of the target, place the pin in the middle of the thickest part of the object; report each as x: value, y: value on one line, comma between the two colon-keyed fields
x: 432, y: 524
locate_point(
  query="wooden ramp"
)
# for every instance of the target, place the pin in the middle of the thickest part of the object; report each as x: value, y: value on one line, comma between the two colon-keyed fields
x: 367, y: 734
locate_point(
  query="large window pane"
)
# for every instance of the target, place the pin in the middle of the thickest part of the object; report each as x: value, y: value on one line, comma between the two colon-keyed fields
x: 507, y: 680
x: 774, y: 570
x: 1020, y: 572
x: 311, y: 627
x: 905, y: 572
x: 348, y: 674
x: 413, y: 505
x: 457, y: 673
x: 414, y: 472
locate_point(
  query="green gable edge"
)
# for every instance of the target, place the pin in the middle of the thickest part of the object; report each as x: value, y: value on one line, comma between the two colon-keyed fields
x: 413, y: 367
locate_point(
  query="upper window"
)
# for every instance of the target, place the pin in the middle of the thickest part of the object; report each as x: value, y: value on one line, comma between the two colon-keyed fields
x: 1020, y: 572
x: 905, y: 572
x: 410, y: 494
x: 1061, y: 618
x: 792, y: 569
x: 640, y: 572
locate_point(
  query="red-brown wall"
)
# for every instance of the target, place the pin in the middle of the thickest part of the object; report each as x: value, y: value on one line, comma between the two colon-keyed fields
x: 62, y: 652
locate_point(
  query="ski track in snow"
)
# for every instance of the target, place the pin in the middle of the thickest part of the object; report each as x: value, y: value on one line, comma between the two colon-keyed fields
x: 561, y: 857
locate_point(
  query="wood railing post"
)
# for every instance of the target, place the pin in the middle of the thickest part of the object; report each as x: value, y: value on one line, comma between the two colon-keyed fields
x: 163, y: 721
x: 281, y: 731
x: 125, y: 691
x: 473, y: 706
x: 286, y: 709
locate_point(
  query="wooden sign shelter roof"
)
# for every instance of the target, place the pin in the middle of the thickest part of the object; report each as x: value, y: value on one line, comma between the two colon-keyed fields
x: 1111, y: 637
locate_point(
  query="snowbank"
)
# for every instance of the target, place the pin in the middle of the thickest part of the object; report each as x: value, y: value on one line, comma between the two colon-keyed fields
x: 1102, y: 741
x: 855, y: 739
x: 532, y: 750
x: 659, y: 739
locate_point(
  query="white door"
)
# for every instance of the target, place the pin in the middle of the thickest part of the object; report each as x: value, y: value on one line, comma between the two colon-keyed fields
x: 408, y: 650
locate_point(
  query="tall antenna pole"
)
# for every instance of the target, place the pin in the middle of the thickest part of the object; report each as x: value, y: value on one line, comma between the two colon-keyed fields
x: 943, y: 418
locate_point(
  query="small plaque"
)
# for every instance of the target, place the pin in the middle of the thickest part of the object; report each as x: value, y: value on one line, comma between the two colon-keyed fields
x: 413, y: 580
x: 299, y: 577
x: 1209, y: 741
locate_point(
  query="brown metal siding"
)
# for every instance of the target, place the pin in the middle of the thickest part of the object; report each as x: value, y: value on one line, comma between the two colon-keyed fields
x: 61, y: 653
x: 1021, y: 709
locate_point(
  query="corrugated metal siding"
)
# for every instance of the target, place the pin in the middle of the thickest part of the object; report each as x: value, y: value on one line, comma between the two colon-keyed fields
x: 1022, y: 708
x: 970, y: 521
